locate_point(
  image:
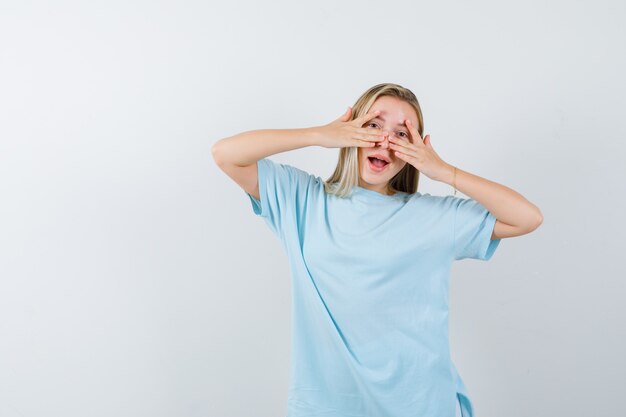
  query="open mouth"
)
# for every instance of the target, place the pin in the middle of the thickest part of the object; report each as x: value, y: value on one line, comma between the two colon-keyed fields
x: 376, y: 164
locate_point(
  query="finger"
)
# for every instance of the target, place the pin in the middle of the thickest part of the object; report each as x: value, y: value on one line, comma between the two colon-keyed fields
x: 403, y: 146
x: 405, y: 157
x: 363, y: 143
x: 369, y: 137
x: 402, y: 142
x: 345, y: 116
x: 369, y: 131
x: 366, y: 117
x: 414, y: 133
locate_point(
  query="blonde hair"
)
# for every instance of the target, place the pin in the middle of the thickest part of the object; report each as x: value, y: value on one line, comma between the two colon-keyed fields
x: 346, y: 175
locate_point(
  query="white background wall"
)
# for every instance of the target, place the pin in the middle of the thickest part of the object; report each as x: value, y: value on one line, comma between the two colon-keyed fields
x: 135, y: 279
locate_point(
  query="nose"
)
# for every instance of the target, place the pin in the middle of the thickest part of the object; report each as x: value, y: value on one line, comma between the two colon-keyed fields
x: 385, y: 142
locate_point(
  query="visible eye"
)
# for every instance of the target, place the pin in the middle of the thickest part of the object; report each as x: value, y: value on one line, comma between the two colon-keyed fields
x: 405, y: 135
x: 371, y: 123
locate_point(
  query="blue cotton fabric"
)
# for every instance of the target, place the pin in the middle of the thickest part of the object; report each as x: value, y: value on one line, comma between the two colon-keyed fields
x: 370, y: 277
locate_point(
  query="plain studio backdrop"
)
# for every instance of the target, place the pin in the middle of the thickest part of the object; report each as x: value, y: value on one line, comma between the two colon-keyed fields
x: 135, y: 279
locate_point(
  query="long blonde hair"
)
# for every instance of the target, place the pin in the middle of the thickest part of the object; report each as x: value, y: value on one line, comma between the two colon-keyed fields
x: 346, y: 175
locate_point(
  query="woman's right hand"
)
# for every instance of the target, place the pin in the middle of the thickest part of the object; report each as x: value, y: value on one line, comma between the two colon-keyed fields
x: 342, y: 133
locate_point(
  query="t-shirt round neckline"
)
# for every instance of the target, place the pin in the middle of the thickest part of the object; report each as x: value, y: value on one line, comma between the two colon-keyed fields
x: 376, y: 194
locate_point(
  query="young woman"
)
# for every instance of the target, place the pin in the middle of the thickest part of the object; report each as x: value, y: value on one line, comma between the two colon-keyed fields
x: 370, y: 256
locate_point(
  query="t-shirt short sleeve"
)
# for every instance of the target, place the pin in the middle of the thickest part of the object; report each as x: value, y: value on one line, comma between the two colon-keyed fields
x: 282, y: 188
x: 473, y: 225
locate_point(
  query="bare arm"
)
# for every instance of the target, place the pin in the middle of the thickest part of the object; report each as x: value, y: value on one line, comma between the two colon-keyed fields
x: 237, y: 155
x: 515, y: 214
x: 246, y: 148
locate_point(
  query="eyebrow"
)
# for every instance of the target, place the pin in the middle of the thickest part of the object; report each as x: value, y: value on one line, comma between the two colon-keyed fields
x: 381, y: 118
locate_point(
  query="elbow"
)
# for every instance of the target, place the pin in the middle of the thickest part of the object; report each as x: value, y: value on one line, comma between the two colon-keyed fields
x: 539, y: 219
x: 536, y: 222
x: 215, y: 153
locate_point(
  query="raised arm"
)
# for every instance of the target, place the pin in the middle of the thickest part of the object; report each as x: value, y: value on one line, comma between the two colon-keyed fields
x: 237, y: 155
x: 515, y: 215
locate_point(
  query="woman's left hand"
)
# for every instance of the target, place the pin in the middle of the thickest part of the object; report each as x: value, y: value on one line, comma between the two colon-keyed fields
x: 420, y: 154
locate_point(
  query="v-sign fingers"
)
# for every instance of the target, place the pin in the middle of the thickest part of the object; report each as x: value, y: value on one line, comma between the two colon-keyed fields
x: 417, y: 139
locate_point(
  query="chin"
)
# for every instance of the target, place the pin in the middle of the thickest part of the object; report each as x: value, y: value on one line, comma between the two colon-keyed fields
x: 375, y: 180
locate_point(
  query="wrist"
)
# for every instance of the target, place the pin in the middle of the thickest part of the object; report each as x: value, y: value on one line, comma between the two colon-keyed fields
x: 312, y: 136
x: 449, y: 175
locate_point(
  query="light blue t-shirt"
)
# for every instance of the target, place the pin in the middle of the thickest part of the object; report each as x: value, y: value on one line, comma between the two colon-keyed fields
x: 370, y: 277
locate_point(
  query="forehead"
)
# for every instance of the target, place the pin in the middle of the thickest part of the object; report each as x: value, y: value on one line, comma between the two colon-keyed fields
x: 394, y: 110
